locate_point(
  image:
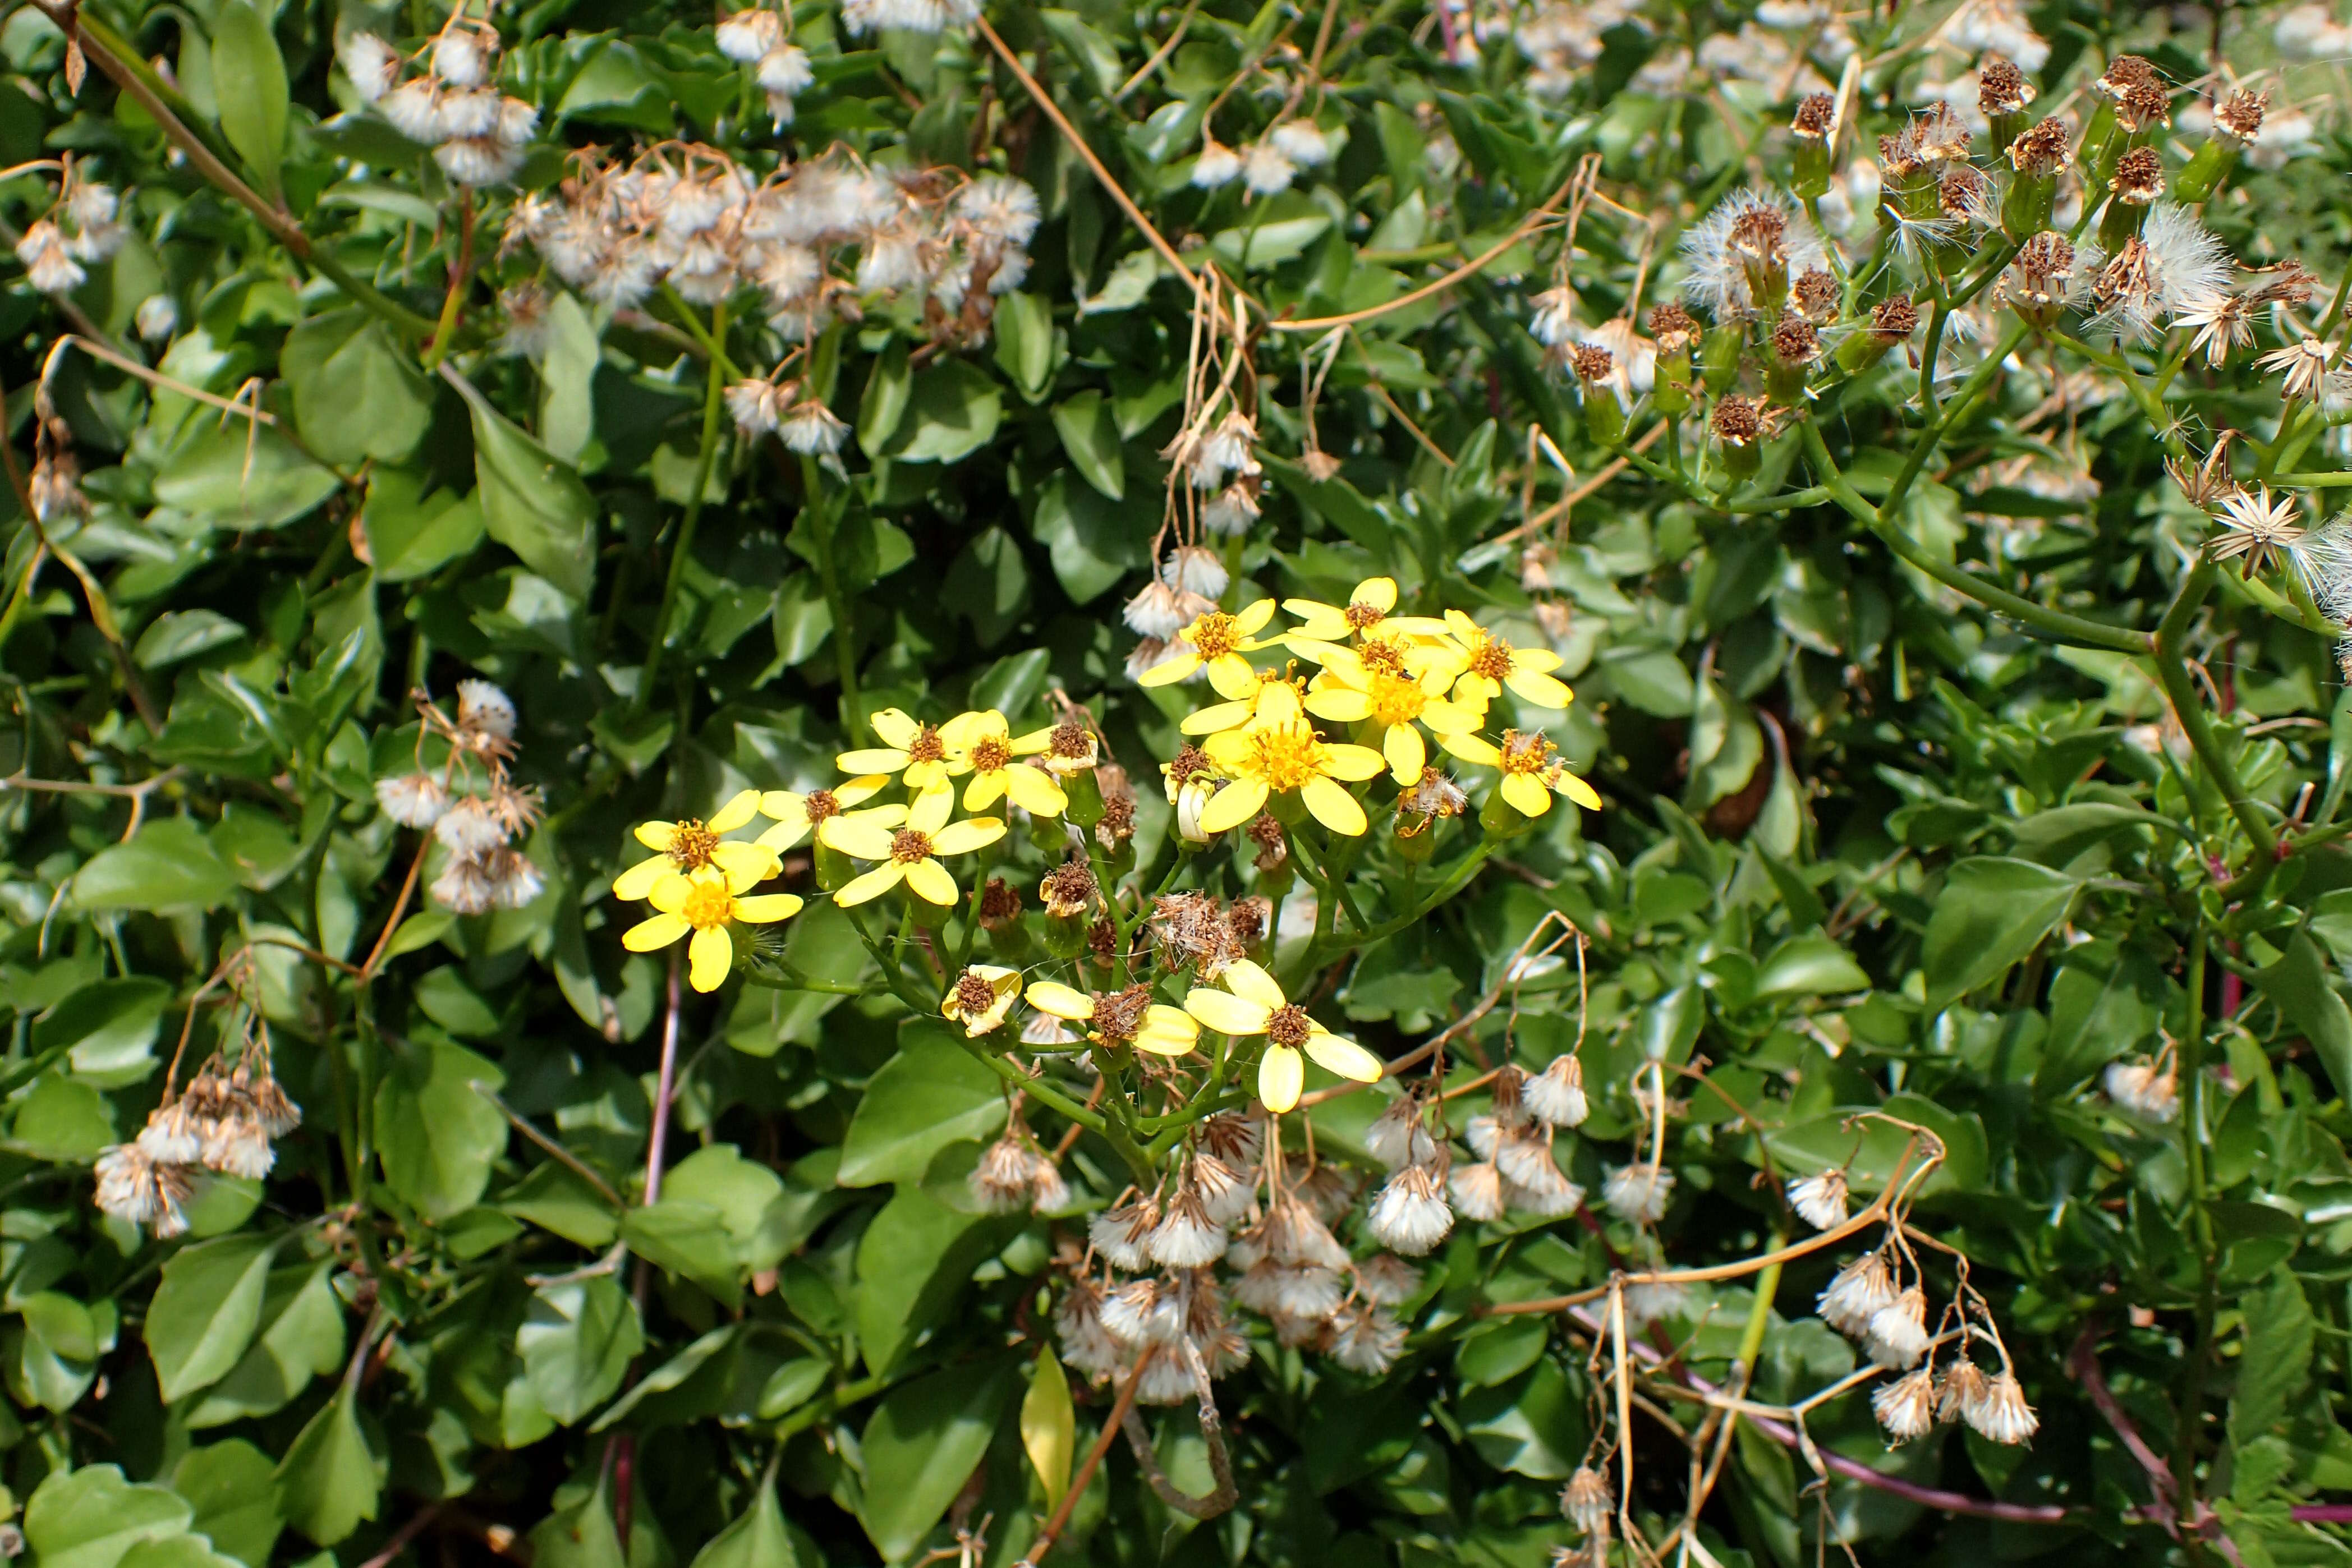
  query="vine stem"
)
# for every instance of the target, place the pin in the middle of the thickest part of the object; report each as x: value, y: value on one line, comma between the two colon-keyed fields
x: 2172, y: 673
x: 713, y: 393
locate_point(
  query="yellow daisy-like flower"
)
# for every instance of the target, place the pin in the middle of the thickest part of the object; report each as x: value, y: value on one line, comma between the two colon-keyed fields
x: 1234, y: 715
x: 1492, y: 664
x: 1369, y: 606
x: 693, y: 845
x: 910, y: 854
x: 1216, y: 641
x: 1277, y: 752
x: 1251, y: 1002
x: 1391, y: 704
x: 797, y: 815
x: 706, y: 903
x: 983, y: 744
x: 910, y: 748
x: 1531, y: 770
x: 1120, y: 1017
x: 981, y: 998
x: 1389, y: 651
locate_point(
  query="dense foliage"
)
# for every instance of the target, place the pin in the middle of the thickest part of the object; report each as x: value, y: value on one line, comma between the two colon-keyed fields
x: 800, y: 786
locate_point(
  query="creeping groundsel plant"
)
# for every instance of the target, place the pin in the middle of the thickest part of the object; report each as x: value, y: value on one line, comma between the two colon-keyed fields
x: 1308, y: 783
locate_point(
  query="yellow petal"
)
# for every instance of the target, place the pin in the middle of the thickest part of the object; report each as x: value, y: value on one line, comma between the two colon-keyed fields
x: 1171, y: 669
x: 658, y: 932
x: 1226, y: 1013
x: 783, y: 836
x: 1254, y: 617
x: 656, y: 836
x: 1249, y: 981
x: 1280, y: 1076
x: 928, y: 880
x: 962, y: 838
x: 1340, y: 704
x: 859, y: 789
x: 1472, y: 748
x: 1035, y: 741
x: 860, y: 836
x: 736, y: 812
x: 768, y: 908
x: 1232, y: 805
x: 1529, y: 797
x: 1167, y: 1031
x: 1335, y: 808
x: 1447, y: 718
x: 1337, y: 1053
x: 784, y: 806
x: 1578, y: 791
x: 897, y: 728
x: 1033, y: 790
x: 968, y: 729
x: 985, y: 789
x: 1379, y: 592
x: 1278, y: 704
x: 1317, y: 647
x: 871, y: 884
x: 1406, y: 752
x: 1534, y: 659
x: 709, y: 957
x: 874, y: 759
x: 1319, y: 621
x: 1232, y: 676
x: 1062, y: 1002
x: 1217, y: 716
x: 637, y: 882
x: 746, y: 864
x: 1539, y: 689
x: 931, y: 809
x: 669, y: 893
x: 1353, y: 763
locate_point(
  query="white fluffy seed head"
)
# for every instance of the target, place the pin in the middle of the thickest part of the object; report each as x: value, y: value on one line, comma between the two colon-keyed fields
x: 1638, y: 1193
x: 1905, y: 1406
x: 1857, y: 1294
x: 1820, y: 1199
x: 1897, y: 1334
x: 1411, y: 1215
x: 1556, y: 1095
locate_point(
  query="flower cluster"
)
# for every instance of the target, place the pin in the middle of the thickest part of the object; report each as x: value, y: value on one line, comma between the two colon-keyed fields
x: 81, y: 225
x: 475, y: 820
x: 761, y: 37
x: 224, y: 1122
x: 1869, y: 1304
x: 452, y: 104
x: 818, y: 240
x: 1388, y: 677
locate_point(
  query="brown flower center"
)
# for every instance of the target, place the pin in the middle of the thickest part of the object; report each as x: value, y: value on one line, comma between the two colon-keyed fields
x: 1530, y: 754
x: 1361, y: 614
x: 690, y: 844
x: 820, y: 805
x: 974, y: 993
x: 907, y: 846
x: 927, y: 747
x: 1288, y: 1026
x: 1491, y: 659
x: 1069, y: 739
x: 1382, y: 657
x: 1188, y: 763
x: 1068, y: 888
x: 1118, y: 1015
x: 1000, y: 902
x: 1215, y: 635
x: 990, y: 755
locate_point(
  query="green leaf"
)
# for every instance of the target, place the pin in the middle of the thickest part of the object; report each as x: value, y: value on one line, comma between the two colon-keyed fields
x: 411, y: 535
x: 689, y: 1238
x: 181, y: 634
x: 671, y: 1373
x: 106, y: 1029
x: 1024, y: 342
x: 232, y: 1487
x: 205, y: 1311
x: 1812, y: 966
x: 553, y: 1198
x: 531, y: 504
x: 91, y: 1517
x: 577, y: 1343
x: 582, y: 1536
x: 1531, y: 1426
x: 931, y: 1094
x: 920, y: 1447
x: 1091, y: 542
x: 63, y: 1119
x: 1049, y: 1425
x: 2276, y: 1361
x: 1090, y: 435
x: 437, y: 1137
x: 234, y: 478
x: 249, y: 83
x: 913, y: 1262
x: 567, y: 408
x: 330, y: 1479
x: 301, y: 1338
x: 176, y: 1551
x: 748, y: 1199
x: 167, y: 868
x: 1992, y: 913
x: 759, y: 1539
x: 363, y: 398
x: 2308, y: 1000
x: 952, y: 411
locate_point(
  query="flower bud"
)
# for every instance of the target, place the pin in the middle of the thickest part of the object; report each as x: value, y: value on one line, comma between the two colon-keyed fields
x: 1815, y: 120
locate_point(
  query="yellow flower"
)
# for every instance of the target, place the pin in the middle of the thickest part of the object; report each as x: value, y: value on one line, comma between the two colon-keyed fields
x: 1216, y: 641
x: 1252, y: 1002
x: 916, y: 750
x: 706, y: 903
x: 1234, y: 715
x: 1392, y: 651
x: 981, y: 998
x: 1120, y: 1017
x: 1531, y: 770
x: 822, y: 810
x: 910, y: 854
x: 694, y: 845
x: 982, y: 745
x: 1277, y: 752
x: 1367, y: 607
x: 1391, y: 704
x: 1494, y: 664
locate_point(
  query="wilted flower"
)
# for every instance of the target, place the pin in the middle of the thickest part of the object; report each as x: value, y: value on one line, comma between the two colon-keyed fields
x: 1905, y: 1406
x: 1820, y: 1199
x: 1638, y: 1193
x: 1411, y: 1215
x: 1898, y: 1331
x: 1857, y: 1294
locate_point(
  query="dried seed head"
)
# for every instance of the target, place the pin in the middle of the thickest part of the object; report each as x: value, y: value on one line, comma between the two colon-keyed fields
x: 1592, y: 363
x: 1960, y: 194
x: 1857, y: 1294
x: 2240, y: 116
x: 1069, y: 890
x: 2001, y: 88
x: 1586, y: 1500
x: 1118, y: 1015
x: 1249, y: 919
x: 2145, y: 106
x: 1273, y: 848
x: 1001, y: 1182
x: 1894, y: 319
x: 1897, y: 1334
x: 1000, y: 904
x: 1963, y: 1385
x: 1410, y: 1216
x: 1735, y: 421
x: 1102, y: 942
x: 1556, y: 1095
x: 2001, y: 1412
x: 1906, y: 1406
x: 1816, y: 293
x: 1673, y: 327
x: 1820, y: 1199
x: 2140, y: 177
x: 2042, y: 151
x: 2123, y: 73
x: 1117, y: 824
x: 1815, y: 113
x: 1794, y: 341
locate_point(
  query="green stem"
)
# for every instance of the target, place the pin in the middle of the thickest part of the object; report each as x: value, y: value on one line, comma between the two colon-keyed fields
x: 2172, y: 672
x: 713, y: 396
x: 820, y: 510
x: 2192, y: 1069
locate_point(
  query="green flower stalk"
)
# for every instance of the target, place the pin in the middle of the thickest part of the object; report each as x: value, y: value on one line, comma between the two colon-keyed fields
x: 1891, y: 322
x: 2003, y: 95
x: 2139, y: 180
x: 2038, y: 157
x: 1813, y: 126
x: 2236, y: 124
x: 1673, y: 331
x: 1596, y: 374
